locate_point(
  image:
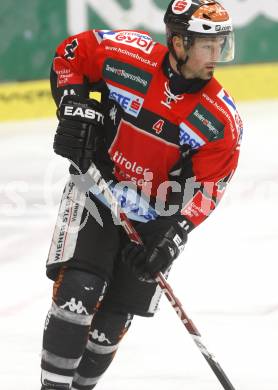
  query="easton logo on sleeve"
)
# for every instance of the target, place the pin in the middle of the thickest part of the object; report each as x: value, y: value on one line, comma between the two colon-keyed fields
x: 127, y: 75
x: 208, y: 125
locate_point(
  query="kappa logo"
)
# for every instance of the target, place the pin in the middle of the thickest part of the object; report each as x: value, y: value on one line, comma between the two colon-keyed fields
x: 89, y: 288
x: 100, y: 337
x: 67, y: 92
x: 135, y: 39
x: 75, y: 307
x: 181, y: 6
x: 113, y: 114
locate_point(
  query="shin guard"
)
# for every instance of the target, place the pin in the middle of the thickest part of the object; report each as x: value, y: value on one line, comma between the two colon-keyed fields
x: 76, y: 296
x: 107, y: 329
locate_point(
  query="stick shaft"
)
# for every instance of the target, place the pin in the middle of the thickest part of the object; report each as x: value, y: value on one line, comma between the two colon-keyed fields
x: 160, y: 279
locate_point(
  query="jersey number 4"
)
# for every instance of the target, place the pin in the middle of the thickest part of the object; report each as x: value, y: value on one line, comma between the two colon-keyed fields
x: 158, y: 126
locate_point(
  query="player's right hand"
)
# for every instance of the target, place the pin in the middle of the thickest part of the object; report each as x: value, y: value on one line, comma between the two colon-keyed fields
x: 164, y: 239
x: 80, y: 132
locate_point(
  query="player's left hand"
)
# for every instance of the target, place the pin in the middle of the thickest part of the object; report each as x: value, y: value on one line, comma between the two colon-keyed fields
x: 163, y: 240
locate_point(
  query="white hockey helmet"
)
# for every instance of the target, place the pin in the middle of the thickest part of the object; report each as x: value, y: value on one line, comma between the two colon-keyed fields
x: 199, y: 18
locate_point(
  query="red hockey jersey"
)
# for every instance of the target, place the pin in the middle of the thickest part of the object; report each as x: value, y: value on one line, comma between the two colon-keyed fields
x: 158, y: 125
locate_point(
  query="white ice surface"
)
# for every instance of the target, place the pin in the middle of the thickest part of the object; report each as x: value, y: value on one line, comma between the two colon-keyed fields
x: 226, y: 278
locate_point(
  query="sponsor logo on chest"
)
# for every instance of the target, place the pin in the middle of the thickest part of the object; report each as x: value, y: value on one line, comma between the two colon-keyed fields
x: 189, y: 137
x: 130, y: 102
x: 127, y: 75
x: 206, y: 123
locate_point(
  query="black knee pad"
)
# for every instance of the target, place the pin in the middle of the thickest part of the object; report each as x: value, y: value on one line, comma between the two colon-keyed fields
x: 78, y: 291
x: 108, y: 327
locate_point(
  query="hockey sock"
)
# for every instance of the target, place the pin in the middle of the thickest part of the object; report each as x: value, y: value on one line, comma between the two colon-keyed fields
x: 106, y: 331
x: 76, y: 295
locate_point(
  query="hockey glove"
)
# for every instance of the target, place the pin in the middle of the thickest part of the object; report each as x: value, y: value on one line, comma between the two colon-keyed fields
x: 163, y: 239
x: 80, y: 132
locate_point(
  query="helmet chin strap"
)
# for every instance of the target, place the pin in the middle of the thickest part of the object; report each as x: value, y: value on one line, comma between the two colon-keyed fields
x: 180, y: 63
x: 187, y: 43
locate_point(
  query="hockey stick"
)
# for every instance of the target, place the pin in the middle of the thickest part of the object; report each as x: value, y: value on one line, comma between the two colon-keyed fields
x: 103, y: 187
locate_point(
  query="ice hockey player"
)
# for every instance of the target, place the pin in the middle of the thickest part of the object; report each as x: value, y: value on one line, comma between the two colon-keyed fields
x: 164, y: 127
